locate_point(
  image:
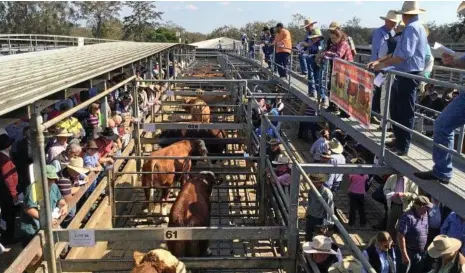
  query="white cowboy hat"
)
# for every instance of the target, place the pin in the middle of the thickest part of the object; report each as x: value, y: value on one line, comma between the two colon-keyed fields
x: 77, y: 164
x: 410, y: 8
x: 282, y: 160
x: 142, y: 84
x: 334, y: 25
x: 461, y: 8
x: 349, y: 265
x: 335, y: 146
x: 443, y: 245
x: 391, y: 16
x: 319, y: 245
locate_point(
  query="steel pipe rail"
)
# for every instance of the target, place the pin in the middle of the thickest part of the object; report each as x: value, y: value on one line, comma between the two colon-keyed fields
x: 192, y: 126
x: 183, y: 233
x: 347, y: 168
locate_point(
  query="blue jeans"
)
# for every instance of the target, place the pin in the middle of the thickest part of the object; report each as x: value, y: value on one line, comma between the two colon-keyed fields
x: 314, y: 77
x: 303, y: 63
x: 282, y: 59
x: 324, y: 77
x: 402, y: 110
x: 310, y: 225
x: 450, y: 119
x: 417, y: 260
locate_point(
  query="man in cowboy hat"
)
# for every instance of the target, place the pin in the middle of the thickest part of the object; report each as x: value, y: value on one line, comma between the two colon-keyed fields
x: 308, y: 26
x: 337, y: 158
x: 283, y: 172
x: 273, y: 150
x: 9, y: 195
x: 409, y: 57
x: 451, y: 118
x: 60, y: 144
x: 316, y: 213
x: 323, y: 251
x: 379, y: 38
x: 317, y: 45
x: 412, y: 234
x: 447, y: 250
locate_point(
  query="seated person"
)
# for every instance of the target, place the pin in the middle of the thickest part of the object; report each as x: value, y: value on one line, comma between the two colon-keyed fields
x: 283, y: 172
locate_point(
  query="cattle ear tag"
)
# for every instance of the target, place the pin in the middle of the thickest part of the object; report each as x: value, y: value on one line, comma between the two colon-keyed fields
x: 246, y: 155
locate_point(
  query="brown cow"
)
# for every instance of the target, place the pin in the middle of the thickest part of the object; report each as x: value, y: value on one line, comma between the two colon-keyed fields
x: 182, y: 149
x: 192, y: 209
x: 199, y: 110
x: 157, y: 261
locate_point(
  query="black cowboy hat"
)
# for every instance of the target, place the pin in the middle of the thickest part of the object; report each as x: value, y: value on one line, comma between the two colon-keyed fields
x: 109, y: 134
x: 5, y: 141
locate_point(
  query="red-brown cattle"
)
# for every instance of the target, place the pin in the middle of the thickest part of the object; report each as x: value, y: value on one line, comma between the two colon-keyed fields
x: 163, y: 167
x: 192, y: 209
x: 198, y: 108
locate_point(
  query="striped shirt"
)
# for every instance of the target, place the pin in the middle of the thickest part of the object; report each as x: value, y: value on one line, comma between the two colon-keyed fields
x: 319, y: 147
x: 65, y: 186
x: 310, y: 111
x: 93, y: 121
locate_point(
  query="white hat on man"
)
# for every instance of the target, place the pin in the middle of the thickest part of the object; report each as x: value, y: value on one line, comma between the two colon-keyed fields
x: 391, y: 16
x: 410, y: 8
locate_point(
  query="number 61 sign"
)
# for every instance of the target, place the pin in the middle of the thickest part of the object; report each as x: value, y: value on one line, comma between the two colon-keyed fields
x: 175, y: 234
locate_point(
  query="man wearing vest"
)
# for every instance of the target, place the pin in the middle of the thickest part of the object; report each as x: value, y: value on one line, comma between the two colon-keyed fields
x: 283, y: 49
x: 379, y: 38
x: 450, y: 119
x: 408, y: 57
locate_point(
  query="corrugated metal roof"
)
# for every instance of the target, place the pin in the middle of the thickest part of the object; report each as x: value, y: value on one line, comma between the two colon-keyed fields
x: 26, y: 78
x: 226, y: 43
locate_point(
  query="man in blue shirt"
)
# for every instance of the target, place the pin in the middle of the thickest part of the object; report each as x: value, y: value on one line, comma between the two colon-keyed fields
x: 308, y: 26
x: 379, y: 38
x: 408, y: 57
x: 450, y: 119
x: 454, y: 227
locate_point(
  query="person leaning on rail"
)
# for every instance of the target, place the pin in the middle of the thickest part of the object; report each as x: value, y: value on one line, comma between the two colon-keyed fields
x: 308, y: 26
x: 283, y: 44
x: 450, y: 119
x: 379, y: 38
x: 408, y: 57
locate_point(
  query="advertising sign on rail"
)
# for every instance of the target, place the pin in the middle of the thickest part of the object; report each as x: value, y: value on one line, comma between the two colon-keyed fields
x: 351, y: 90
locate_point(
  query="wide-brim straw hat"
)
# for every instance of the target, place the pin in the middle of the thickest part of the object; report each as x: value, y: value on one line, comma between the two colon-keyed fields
x: 308, y: 22
x: 318, y: 177
x: 273, y: 141
x: 64, y: 133
x: 461, y: 8
x: 316, y: 33
x: 334, y: 25
x: 319, y: 245
x: 391, y: 16
x: 443, y: 245
x: 349, y: 265
x: 411, y: 8
x: 77, y: 164
x: 91, y: 145
x: 282, y: 160
x: 335, y: 146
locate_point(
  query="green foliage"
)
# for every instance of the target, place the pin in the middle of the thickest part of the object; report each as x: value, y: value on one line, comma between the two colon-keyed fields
x: 161, y: 35
x: 141, y: 21
x: 97, y: 13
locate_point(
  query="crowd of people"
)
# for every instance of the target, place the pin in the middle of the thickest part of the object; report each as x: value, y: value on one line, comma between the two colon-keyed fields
x: 79, y: 148
x: 418, y: 233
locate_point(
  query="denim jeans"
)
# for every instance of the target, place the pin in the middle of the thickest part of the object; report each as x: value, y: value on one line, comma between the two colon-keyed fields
x: 402, y: 110
x: 357, y: 204
x: 282, y: 59
x: 310, y: 225
x: 450, y: 119
x: 303, y: 63
x: 324, y: 78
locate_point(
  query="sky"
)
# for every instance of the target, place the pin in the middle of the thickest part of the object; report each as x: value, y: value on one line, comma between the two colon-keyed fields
x: 196, y: 16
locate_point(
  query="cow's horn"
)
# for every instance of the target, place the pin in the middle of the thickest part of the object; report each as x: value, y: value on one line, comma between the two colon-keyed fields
x: 208, y: 172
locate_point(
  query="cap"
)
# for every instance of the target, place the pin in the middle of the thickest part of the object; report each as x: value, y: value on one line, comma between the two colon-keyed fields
x: 318, y: 177
x: 423, y: 200
x: 51, y: 172
x: 279, y: 25
x: 334, y: 25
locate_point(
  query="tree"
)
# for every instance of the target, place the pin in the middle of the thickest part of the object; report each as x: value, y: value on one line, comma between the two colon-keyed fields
x: 143, y: 17
x: 225, y: 31
x: 295, y: 28
x: 359, y: 34
x: 161, y: 35
x: 97, y: 13
x: 56, y: 17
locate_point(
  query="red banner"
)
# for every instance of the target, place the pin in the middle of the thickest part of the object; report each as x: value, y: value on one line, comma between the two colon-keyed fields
x: 352, y: 89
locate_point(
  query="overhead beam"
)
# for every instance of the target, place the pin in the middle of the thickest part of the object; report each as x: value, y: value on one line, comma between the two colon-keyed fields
x: 206, y: 140
x: 297, y: 118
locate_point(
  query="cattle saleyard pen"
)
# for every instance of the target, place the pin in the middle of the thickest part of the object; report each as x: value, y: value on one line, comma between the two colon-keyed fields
x: 254, y: 221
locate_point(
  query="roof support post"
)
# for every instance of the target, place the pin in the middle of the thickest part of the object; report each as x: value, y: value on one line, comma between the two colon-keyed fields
x: 292, y: 242
x: 103, y: 106
x: 41, y: 189
x: 160, y: 67
x: 136, y: 130
x: 262, y: 174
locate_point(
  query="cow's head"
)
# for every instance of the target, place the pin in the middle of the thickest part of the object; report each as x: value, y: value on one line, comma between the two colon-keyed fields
x: 211, y: 178
x: 156, y: 261
x: 199, y: 148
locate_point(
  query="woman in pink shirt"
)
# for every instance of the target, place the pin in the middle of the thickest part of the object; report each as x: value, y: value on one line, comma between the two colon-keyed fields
x: 357, y: 190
